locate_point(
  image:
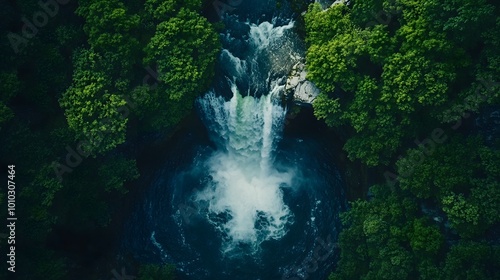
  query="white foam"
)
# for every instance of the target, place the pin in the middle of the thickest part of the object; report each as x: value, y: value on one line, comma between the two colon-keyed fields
x: 262, y: 35
x: 244, y: 198
x: 244, y: 184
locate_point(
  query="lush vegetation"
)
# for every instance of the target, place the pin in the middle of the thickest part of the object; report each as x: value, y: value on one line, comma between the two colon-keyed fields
x: 79, y: 81
x: 403, y: 77
x: 83, y: 82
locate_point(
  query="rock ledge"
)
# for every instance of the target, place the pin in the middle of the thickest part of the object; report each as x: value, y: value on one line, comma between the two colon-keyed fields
x: 298, y: 88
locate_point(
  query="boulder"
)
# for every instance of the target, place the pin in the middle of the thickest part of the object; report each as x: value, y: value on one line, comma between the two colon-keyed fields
x: 298, y: 88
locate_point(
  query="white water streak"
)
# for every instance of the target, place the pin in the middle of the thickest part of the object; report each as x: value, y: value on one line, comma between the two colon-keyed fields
x: 244, y: 199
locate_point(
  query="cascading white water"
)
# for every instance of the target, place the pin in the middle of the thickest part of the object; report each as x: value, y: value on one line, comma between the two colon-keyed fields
x: 244, y: 198
x: 256, y: 205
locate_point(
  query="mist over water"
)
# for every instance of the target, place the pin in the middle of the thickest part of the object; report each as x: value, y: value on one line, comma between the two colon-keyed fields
x: 243, y: 198
x: 245, y: 188
x: 250, y: 202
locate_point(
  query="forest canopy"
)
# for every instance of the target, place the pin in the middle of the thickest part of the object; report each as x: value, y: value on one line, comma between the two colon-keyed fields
x: 85, y: 84
x: 389, y: 69
x: 404, y: 78
x: 79, y: 81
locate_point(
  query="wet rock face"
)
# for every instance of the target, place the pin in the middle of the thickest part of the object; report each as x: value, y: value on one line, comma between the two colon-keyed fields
x: 298, y: 88
x: 326, y: 4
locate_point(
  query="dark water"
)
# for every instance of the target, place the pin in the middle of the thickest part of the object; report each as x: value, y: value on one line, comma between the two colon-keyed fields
x: 170, y: 226
x: 190, y: 242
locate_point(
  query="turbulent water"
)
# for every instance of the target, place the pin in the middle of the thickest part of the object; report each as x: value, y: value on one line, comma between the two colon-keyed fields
x: 248, y: 202
x: 244, y: 199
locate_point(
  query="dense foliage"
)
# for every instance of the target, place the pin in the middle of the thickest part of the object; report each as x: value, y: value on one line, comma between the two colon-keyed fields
x: 153, y: 272
x: 389, y: 69
x: 393, y: 73
x: 79, y: 80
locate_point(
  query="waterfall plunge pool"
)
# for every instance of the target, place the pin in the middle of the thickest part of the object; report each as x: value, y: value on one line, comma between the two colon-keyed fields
x: 169, y: 226
x: 252, y: 201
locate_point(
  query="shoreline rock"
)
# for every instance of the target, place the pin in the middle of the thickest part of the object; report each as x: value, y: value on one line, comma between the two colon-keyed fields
x: 298, y: 89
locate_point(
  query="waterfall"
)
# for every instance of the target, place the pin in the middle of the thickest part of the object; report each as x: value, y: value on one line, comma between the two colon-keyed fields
x: 249, y: 201
x: 244, y: 198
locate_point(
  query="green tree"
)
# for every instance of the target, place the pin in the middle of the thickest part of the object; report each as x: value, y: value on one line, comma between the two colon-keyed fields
x: 472, y: 260
x: 153, y: 272
x: 9, y: 86
x: 184, y: 49
x: 93, y: 107
x: 425, y: 239
x: 388, y: 69
x: 383, y: 238
x: 111, y: 30
x: 160, y: 10
x: 434, y: 171
x: 461, y: 175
